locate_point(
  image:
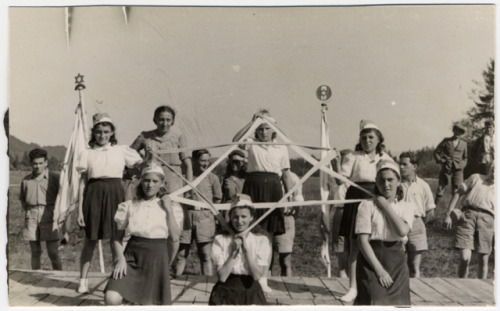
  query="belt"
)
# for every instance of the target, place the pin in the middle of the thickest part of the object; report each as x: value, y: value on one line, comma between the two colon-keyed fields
x: 472, y: 208
x: 385, y: 243
x: 196, y: 208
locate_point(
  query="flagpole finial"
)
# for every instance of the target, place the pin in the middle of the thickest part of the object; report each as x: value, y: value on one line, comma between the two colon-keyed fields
x: 323, y: 93
x: 79, y: 83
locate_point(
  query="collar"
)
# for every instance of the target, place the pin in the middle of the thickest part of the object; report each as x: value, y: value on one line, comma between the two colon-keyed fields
x: 43, y: 175
x: 409, y: 182
x: 102, y: 148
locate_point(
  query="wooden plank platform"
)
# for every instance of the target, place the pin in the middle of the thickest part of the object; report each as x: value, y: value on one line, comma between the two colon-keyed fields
x: 58, y: 288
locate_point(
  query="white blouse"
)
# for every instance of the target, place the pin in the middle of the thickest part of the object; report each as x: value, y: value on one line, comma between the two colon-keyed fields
x: 107, y: 161
x: 360, y: 167
x: 373, y: 221
x: 147, y: 219
x: 222, y: 248
x: 267, y: 158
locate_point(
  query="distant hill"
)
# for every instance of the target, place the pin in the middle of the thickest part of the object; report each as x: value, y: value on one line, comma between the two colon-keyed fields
x: 18, y: 149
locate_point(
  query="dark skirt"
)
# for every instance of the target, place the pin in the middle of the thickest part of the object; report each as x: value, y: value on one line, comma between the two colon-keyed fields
x: 237, y: 290
x: 100, y: 202
x: 348, y: 222
x: 266, y: 187
x: 147, y: 281
x: 393, y: 258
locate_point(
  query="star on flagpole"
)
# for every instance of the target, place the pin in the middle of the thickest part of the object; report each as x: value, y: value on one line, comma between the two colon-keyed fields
x: 79, y: 82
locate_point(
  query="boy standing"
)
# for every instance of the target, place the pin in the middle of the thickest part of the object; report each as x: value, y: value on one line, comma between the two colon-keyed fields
x: 38, y: 195
x: 418, y: 192
x: 476, y: 226
x: 451, y: 153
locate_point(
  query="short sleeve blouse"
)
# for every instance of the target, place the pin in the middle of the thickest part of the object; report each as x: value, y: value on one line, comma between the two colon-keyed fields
x: 267, y: 158
x: 360, y: 167
x: 107, y: 161
x: 260, y: 249
x: 371, y: 220
x: 143, y: 218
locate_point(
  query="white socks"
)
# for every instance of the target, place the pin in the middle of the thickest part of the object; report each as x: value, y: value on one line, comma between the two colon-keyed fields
x: 84, y: 286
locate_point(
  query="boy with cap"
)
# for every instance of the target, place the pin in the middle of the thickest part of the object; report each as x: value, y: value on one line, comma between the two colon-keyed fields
x: 38, y: 195
x: 451, y: 153
x: 418, y: 192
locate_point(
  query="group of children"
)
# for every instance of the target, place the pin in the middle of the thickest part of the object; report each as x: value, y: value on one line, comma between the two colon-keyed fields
x: 396, y: 206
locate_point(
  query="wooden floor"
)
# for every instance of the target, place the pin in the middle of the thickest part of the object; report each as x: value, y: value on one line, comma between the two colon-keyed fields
x: 57, y: 288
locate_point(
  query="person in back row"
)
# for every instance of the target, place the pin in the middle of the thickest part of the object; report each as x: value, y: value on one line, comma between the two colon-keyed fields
x: 418, y: 192
x: 451, y: 154
x: 38, y: 196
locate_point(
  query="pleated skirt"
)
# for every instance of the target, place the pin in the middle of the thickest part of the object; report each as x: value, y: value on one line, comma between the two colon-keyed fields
x: 147, y: 281
x: 266, y: 187
x: 348, y: 221
x: 100, y: 202
x: 393, y: 258
x: 237, y: 290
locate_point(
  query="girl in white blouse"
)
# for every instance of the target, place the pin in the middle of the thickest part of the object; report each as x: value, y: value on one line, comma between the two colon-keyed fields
x: 142, y: 273
x: 382, y: 225
x: 240, y: 260
x: 102, y: 166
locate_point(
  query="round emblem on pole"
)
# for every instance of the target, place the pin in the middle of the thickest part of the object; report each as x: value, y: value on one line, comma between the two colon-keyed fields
x: 323, y: 92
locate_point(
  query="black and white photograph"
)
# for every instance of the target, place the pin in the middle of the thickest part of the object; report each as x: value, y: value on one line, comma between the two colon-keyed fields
x: 300, y: 155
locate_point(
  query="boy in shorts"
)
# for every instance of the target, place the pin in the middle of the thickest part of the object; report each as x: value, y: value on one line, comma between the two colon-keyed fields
x: 418, y: 192
x: 38, y: 196
x: 476, y: 226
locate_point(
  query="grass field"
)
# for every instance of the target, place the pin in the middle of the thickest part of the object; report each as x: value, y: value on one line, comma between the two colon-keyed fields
x: 439, y: 261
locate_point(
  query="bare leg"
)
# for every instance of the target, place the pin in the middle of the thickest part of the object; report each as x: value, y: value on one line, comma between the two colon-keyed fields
x: 463, y: 265
x: 414, y: 259
x: 285, y: 264
x: 482, y: 272
x: 182, y: 258
x: 36, y: 253
x: 204, y: 252
x: 53, y: 251
x: 353, y: 287
x: 86, y: 257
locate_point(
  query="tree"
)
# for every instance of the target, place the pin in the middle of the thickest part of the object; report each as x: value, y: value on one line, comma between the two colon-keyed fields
x: 484, y: 104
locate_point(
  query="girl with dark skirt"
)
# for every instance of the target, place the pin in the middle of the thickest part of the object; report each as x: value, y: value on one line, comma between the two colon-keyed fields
x: 102, y: 166
x: 359, y: 167
x: 382, y: 225
x: 142, y: 273
x: 268, y: 167
x: 240, y: 260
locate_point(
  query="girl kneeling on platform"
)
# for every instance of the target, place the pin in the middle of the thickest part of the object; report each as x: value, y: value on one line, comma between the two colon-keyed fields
x: 382, y: 225
x: 240, y: 260
x: 142, y: 272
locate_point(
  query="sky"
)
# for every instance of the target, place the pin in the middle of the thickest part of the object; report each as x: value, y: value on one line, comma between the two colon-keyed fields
x: 408, y: 68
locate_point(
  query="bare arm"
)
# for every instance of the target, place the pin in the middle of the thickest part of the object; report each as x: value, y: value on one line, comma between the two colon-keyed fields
x: 366, y: 249
x: 451, y: 207
x: 174, y: 231
x: 81, y: 188
x: 429, y: 216
x: 189, y: 168
x: 402, y: 228
x: 286, y: 178
x: 120, y: 268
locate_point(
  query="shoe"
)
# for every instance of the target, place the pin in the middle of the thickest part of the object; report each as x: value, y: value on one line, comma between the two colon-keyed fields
x: 83, y: 288
x: 350, y: 295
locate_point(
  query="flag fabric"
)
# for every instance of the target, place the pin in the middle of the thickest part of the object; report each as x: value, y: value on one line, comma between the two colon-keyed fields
x: 69, y: 182
x: 324, y: 191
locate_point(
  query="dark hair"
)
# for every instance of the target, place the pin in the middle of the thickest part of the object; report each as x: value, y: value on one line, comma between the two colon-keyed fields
x: 399, y: 190
x: 410, y: 155
x: 164, y: 109
x: 139, y: 192
x: 38, y: 153
x: 229, y: 169
x: 196, y: 154
x: 273, y: 136
x: 380, y: 144
x: 112, y: 139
